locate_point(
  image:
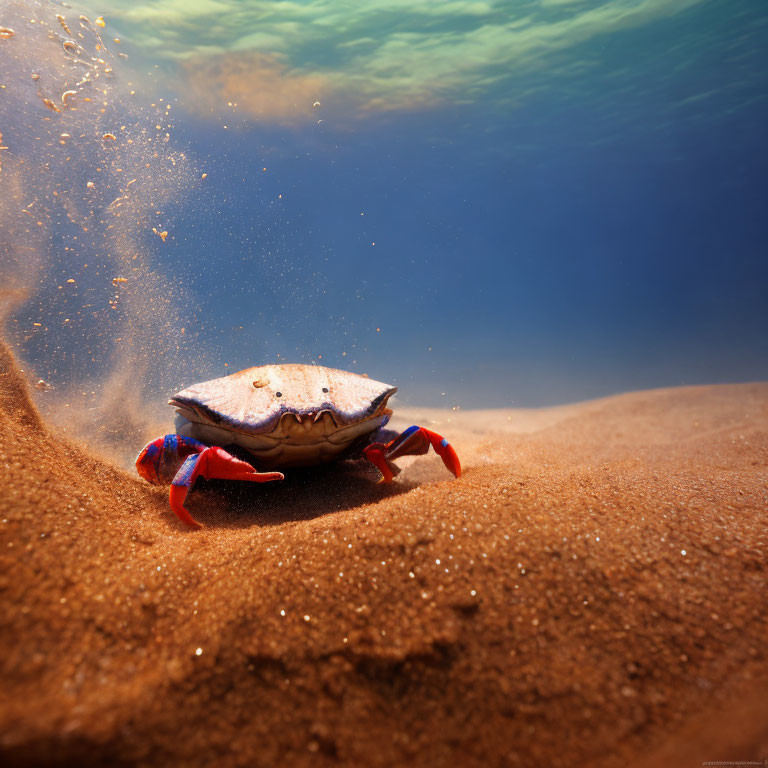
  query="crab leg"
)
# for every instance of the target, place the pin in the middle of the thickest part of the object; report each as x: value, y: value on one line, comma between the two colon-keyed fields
x: 159, y: 461
x: 414, y: 441
x: 212, y: 463
x: 180, y: 460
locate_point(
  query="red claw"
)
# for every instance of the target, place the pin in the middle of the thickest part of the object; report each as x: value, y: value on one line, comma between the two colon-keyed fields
x: 414, y: 441
x: 212, y: 464
x: 180, y: 460
x: 216, y: 463
x: 445, y: 451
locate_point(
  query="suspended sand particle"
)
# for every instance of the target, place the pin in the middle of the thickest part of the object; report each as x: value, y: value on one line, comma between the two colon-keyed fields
x: 6, y: 33
x: 116, y: 280
x: 100, y: 22
x: 89, y: 184
x: 63, y: 23
x: 51, y: 105
x: 162, y: 235
x: 109, y: 137
x: 42, y: 385
x: 71, y: 280
x: 204, y: 176
x: 66, y: 96
x: 35, y: 76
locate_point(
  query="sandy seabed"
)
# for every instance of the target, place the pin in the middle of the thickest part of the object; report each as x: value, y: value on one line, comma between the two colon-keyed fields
x: 591, y: 592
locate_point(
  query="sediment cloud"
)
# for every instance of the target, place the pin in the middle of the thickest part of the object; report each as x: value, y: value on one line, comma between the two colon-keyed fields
x: 259, y: 85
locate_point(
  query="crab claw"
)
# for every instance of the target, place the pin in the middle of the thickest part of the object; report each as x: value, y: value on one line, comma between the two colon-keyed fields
x: 414, y: 441
x: 211, y: 463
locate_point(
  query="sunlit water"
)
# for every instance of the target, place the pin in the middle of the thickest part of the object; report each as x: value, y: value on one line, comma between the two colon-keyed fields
x: 509, y: 203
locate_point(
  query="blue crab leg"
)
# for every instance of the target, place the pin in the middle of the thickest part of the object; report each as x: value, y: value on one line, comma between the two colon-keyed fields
x: 414, y: 441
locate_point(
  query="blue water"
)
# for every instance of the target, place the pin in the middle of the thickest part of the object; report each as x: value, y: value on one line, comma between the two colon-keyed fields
x: 501, y: 203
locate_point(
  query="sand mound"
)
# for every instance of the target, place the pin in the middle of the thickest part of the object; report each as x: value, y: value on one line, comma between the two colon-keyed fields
x: 593, y: 589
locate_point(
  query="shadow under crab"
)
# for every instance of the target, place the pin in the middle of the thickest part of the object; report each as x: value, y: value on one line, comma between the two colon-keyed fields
x: 305, y: 494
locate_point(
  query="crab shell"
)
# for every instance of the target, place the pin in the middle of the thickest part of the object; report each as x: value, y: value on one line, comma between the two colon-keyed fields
x: 285, y: 415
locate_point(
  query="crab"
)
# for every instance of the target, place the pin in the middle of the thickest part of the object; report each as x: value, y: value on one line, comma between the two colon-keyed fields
x: 280, y: 416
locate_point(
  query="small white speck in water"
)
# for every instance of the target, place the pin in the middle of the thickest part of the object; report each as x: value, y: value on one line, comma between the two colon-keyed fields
x: 198, y: 652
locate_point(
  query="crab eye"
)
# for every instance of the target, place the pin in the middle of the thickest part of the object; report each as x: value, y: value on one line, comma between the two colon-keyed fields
x: 325, y: 389
x: 278, y: 394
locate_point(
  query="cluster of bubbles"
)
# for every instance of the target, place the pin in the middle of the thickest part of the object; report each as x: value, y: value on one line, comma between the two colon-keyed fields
x: 88, y: 172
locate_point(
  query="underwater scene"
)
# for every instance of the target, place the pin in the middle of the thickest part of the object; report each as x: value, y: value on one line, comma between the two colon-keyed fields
x: 383, y: 383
